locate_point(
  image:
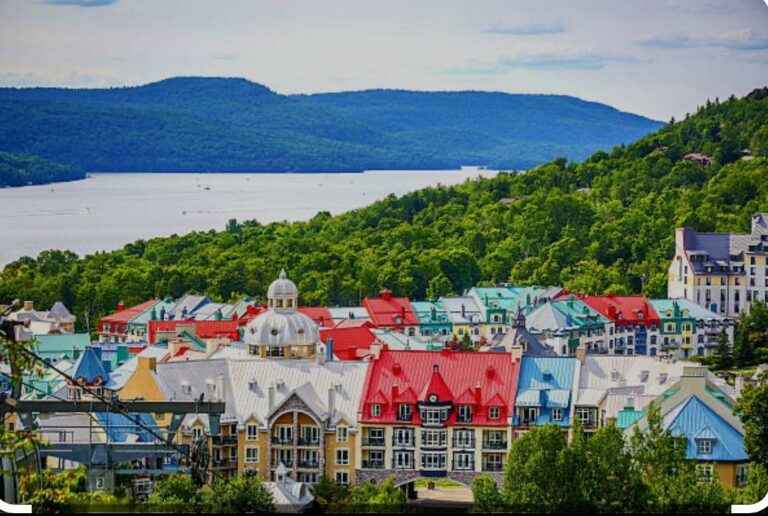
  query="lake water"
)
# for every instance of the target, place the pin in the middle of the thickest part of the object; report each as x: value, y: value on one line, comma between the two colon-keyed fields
x: 107, y: 211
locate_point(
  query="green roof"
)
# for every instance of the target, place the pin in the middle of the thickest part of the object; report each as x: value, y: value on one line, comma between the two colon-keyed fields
x: 423, y: 310
x: 627, y: 417
x: 63, y: 345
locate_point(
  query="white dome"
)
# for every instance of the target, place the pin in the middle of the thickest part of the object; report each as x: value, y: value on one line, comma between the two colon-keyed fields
x: 281, y: 328
x: 282, y: 287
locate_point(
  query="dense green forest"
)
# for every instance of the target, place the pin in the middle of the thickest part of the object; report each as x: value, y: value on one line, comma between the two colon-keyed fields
x: 603, y: 224
x: 22, y: 170
x: 218, y: 124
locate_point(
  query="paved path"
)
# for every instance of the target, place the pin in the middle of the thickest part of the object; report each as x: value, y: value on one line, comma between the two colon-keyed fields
x: 447, y: 499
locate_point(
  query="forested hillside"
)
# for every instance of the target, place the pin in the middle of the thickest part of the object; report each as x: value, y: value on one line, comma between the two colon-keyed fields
x: 218, y: 124
x: 604, y: 224
x: 22, y: 170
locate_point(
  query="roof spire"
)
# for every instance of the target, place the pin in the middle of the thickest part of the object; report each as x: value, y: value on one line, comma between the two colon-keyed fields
x: 283, y: 275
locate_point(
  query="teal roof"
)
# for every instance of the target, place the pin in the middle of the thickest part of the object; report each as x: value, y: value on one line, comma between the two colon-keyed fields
x: 627, y: 417
x: 424, y: 310
x: 694, y: 419
x: 61, y: 346
x: 569, y: 313
x: 398, y: 341
x: 687, y: 309
x: 146, y: 315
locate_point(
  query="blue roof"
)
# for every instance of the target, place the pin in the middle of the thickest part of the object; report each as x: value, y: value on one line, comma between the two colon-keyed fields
x: 697, y: 421
x: 90, y: 365
x: 120, y: 428
x: 546, y: 382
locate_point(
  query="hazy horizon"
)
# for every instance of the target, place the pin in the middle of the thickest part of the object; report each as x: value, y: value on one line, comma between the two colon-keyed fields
x: 659, y: 58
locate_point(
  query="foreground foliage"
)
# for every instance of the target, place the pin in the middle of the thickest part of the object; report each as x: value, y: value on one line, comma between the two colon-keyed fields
x: 366, y: 497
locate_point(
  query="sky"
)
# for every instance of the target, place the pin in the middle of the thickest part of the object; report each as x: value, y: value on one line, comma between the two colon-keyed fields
x: 658, y: 58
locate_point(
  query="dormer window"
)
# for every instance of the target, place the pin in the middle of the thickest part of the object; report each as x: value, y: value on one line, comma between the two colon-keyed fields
x: 404, y: 412
x: 375, y: 410
x: 494, y: 413
x: 465, y: 413
x: 704, y: 446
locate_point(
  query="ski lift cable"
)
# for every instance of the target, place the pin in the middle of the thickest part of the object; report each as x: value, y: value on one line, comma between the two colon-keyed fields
x: 118, y: 407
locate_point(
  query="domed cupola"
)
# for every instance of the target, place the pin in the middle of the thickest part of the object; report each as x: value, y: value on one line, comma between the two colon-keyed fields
x: 282, y: 293
x: 282, y: 331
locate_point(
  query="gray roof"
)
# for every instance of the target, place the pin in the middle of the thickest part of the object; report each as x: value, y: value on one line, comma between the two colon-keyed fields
x: 455, y: 306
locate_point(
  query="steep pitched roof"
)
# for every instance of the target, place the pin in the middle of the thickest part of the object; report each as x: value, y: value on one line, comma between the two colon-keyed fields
x: 621, y: 309
x: 90, y: 366
x: 696, y: 421
x: 492, y: 376
x: 320, y: 314
x: 387, y: 310
x: 350, y: 338
x: 128, y: 314
x: 436, y: 386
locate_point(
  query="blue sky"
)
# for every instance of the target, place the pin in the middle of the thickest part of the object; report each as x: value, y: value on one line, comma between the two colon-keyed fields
x: 659, y: 58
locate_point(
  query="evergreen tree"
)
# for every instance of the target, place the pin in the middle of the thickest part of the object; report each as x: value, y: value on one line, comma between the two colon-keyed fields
x: 723, y: 357
x: 752, y: 408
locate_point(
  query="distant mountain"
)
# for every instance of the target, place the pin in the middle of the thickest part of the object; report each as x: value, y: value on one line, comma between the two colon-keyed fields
x: 223, y: 124
x: 23, y: 170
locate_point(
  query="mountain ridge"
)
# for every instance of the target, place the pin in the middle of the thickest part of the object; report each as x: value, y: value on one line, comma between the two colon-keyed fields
x: 269, y: 131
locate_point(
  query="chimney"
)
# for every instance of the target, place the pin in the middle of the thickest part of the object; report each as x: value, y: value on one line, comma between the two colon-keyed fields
x: 149, y: 363
x: 395, y: 390
x: 211, y: 346
x: 463, y: 311
x: 329, y: 349
x: 612, y: 311
x: 386, y: 294
x: 478, y: 392
x: 516, y: 352
x: 581, y: 353
x: 120, y: 306
x: 271, y: 398
x: 220, y: 387
x: 331, y: 402
x: 29, y: 306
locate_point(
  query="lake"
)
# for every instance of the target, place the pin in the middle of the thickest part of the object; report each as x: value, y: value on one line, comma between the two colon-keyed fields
x: 107, y: 211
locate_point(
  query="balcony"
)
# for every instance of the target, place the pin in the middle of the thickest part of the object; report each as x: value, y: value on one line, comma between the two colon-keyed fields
x: 224, y: 440
x: 463, y: 443
x: 282, y: 441
x: 373, y: 464
x: 405, y: 418
x: 287, y: 462
x: 495, y: 445
x: 313, y: 441
x: 309, y: 464
x: 374, y: 441
x: 403, y: 443
x: 493, y: 466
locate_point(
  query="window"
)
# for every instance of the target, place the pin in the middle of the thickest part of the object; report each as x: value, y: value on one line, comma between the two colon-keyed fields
x: 434, y: 416
x: 463, y: 461
x: 741, y: 475
x: 705, y: 472
x: 252, y: 432
x: 73, y: 393
x: 404, y: 412
x: 284, y: 434
x: 251, y: 455
x: 465, y: 413
x: 197, y: 433
x: 433, y: 460
x: 375, y: 410
x: 310, y: 434
x: 402, y: 460
x: 341, y: 434
x: 403, y: 437
x: 342, y: 457
x: 557, y: 414
x: 493, y: 413
x: 463, y: 438
x: 585, y: 417
x: 704, y: 446
x: 342, y: 477
x: 433, y: 438
x: 99, y: 483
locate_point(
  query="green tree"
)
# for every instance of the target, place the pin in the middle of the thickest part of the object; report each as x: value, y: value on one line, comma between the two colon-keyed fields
x: 244, y: 494
x: 723, y: 358
x: 752, y: 408
x: 384, y: 497
x: 487, y: 496
x: 439, y: 286
x: 331, y: 495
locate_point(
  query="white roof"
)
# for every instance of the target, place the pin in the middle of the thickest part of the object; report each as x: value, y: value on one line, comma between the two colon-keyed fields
x: 651, y: 375
x: 290, y: 496
x: 281, y: 327
x: 339, y: 313
x: 247, y: 381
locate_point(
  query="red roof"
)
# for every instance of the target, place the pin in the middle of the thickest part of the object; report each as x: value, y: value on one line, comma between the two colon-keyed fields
x: 128, y: 314
x: 320, y: 314
x: 482, y: 379
x: 629, y: 309
x: 386, y: 310
x: 350, y: 341
x: 205, y: 329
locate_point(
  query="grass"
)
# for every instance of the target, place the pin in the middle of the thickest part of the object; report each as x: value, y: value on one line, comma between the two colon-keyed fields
x: 443, y: 483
